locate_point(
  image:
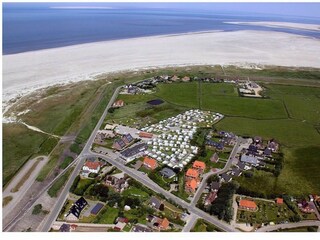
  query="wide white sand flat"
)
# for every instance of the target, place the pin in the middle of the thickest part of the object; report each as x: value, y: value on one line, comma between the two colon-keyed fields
x: 26, y: 71
x: 299, y: 26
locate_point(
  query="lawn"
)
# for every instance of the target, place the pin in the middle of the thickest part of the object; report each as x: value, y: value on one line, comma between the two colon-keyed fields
x: 19, y: 145
x: 203, y: 226
x: 56, y: 187
x: 66, y: 162
x: 108, y: 215
x: 289, y: 132
x: 136, y: 192
x: 222, y: 99
x: 82, y: 186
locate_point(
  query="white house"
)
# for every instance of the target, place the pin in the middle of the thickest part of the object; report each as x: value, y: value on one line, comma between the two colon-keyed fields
x: 92, y: 167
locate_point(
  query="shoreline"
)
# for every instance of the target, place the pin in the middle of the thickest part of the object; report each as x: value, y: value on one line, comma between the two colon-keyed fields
x: 26, y: 72
x: 289, y: 25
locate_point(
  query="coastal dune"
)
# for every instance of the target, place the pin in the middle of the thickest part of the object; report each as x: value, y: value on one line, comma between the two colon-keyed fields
x: 24, y: 72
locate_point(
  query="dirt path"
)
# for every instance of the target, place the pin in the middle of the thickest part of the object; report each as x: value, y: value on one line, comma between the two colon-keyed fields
x: 30, y: 176
x: 39, y: 130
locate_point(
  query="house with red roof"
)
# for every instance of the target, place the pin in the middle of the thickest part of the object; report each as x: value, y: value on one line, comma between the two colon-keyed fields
x: 163, y: 224
x: 192, y: 174
x: 145, y: 135
x: 279, y: 201
x: 92, y: 167
x: 191, y: 185
x: 247, y: 205
x: 118, y: 103
x: 150, y: 163
x: 199, y: 166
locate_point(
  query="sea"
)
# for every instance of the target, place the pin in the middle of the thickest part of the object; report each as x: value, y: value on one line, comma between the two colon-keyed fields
x: 43, y: 27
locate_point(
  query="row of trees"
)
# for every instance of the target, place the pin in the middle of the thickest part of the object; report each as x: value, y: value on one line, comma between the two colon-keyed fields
x: 222, y: 206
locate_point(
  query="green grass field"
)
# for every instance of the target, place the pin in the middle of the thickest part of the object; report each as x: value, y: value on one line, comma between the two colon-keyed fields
x: 203, y: 226
x: 221, y: 98
x: 56, y: 187
x: 21, y: 144
x: 136, y: 192
x: 108, y: 216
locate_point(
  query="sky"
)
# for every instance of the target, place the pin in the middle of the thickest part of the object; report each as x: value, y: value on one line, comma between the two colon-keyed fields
x: 287, y: 9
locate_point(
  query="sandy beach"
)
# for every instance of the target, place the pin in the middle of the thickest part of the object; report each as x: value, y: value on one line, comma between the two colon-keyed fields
x: 24, y: 72
x: 298, y: 26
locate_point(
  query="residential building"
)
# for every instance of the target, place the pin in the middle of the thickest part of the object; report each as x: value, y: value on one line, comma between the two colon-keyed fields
x: 191, y: 185
x: 273, y: 145
x: 247, y: 205
x: 210, y: 198
x: 134, y: 152
x: 241, y: 166
x: 127, y: 138
x: 156, y: 203
x: 199, y: 166
x: 118, y: 184
x: 119, y: 226
x: 164, y: 224
x: 214, y: 186
x: 145, y: 135
x: 118, y: 103
x: 225, y: 178
x: 192, y: 173
x: 75, y: 210
x: 214, y: 158
x: 236, y: 172
x: 167, y: 172
x: 279, y: 201
x: 119, y: 144
x: 249, y: 159
x: 140, y: 228
x: 92, y: 167
x: 185, y: 79
x: 150, y: 163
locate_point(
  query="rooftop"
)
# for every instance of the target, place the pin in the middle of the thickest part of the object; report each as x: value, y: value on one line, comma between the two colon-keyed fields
x: 192, y: 173
x: 247, y: 203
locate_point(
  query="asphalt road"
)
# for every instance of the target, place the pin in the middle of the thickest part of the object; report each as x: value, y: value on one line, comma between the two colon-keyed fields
x: 289, y: 225
x: 225, y: 169
x: 190, y: 223
x: 17, y: 196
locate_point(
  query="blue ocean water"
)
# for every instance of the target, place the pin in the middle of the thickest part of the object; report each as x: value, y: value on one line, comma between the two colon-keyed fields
x: 33, y: 28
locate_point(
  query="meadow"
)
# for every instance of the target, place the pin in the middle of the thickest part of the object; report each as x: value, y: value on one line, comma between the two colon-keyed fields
x: 291, y: 115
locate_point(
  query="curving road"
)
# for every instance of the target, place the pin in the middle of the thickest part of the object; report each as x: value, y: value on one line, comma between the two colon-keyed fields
x: 207, y: 175
x: 288, y: 225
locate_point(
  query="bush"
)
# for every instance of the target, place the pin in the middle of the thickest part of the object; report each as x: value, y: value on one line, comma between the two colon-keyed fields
x: 74, y: 184
x: 312, y: 229
x: 37, y: 209
x: 93, y: 175
x: 100, y: 190
x: 111, y: 110
x: 248, y: 174
x: 75, y: 148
